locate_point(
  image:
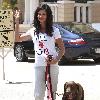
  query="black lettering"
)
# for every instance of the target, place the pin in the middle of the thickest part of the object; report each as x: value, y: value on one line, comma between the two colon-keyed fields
x: 0, y: 17
x: 39, y: 52
x: 5, y: 37
x: 4, y: 12
x: 4, y: 42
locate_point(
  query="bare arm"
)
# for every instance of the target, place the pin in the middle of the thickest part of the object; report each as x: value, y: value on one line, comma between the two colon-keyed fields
x: 60, y: 52
x: 19, y: 37
x: 61, y: 47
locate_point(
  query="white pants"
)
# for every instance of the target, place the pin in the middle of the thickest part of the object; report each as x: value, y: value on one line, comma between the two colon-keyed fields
x: 40, y: 86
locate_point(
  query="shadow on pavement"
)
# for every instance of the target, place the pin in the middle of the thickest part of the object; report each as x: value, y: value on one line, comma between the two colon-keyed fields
x: 17, y: 82
x: 81, y: 62
x: 31, y: 60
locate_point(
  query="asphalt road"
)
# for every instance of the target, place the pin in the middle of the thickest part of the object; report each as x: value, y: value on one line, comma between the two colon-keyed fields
x: 85, y: 72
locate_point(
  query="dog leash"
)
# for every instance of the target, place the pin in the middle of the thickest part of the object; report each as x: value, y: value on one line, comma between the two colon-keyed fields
x: 48, y: 81
x: 58, y: 94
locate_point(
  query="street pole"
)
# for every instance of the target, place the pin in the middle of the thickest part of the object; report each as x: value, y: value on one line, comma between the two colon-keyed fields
x: 2, y: 68
x: 3, y: 63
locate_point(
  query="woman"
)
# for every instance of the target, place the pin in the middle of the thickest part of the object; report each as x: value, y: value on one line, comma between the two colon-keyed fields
x: 44, y: 37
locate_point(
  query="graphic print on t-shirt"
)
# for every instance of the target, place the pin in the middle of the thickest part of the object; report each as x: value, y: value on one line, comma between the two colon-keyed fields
x: 41, y: 44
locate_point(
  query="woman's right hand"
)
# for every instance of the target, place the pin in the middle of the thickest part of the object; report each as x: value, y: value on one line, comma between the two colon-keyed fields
x: 17, y: 35
x: 16, y: 15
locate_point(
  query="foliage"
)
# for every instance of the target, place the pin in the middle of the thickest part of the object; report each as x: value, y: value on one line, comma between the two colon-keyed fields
x: 8, y: 4
x: 13, y: 2
x: 5, y: 5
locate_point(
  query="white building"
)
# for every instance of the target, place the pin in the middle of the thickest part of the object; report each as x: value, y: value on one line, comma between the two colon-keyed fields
x: 63, y: 10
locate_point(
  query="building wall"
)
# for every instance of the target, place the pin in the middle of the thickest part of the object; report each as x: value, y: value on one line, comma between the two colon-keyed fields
x: 66, y: 12
x: 63, y: 10
x: 95, y: 12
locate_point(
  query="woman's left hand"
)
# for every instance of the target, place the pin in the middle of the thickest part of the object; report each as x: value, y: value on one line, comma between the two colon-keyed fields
x: 53, y: 61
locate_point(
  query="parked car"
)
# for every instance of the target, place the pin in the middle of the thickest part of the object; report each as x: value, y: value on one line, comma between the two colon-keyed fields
x: 23, y: 50
x: 80, y: 41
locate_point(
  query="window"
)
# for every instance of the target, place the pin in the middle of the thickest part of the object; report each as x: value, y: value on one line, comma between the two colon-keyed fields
x: 74, y: 13
x: 81, y: 14
x: 50, y: 0
x: 87, y: 14
x: 82, y: 1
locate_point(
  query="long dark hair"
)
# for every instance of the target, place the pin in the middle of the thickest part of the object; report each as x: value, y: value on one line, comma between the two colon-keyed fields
x: 49, y: 21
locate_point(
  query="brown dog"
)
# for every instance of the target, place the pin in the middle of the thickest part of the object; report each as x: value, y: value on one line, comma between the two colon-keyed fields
x: 73, y: 91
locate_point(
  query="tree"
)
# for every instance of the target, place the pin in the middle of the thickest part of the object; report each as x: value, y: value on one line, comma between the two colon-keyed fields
x: 13, y: 2
x: 6, y: 4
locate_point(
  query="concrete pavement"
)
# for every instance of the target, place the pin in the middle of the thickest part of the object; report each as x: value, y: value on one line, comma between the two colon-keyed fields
x: 89, y: 79
x: 21, y: 74
x: 16, y: 91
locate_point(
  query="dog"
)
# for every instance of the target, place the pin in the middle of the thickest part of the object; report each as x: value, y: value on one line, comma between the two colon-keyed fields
x: 73, y: 91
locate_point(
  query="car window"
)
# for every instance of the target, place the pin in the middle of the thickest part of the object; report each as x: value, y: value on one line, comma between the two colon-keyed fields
x: 61, y: 32
x: 79, y: 28
x: 72, y: 29
x: 83, y: 28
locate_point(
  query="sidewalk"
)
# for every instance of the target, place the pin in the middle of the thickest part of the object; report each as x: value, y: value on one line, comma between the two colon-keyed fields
x: 22, y: 74
x: 16, y: 91
x: 89, y: 79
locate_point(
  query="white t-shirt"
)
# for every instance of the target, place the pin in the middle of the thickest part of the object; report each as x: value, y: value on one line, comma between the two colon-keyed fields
x: 44, y: 45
